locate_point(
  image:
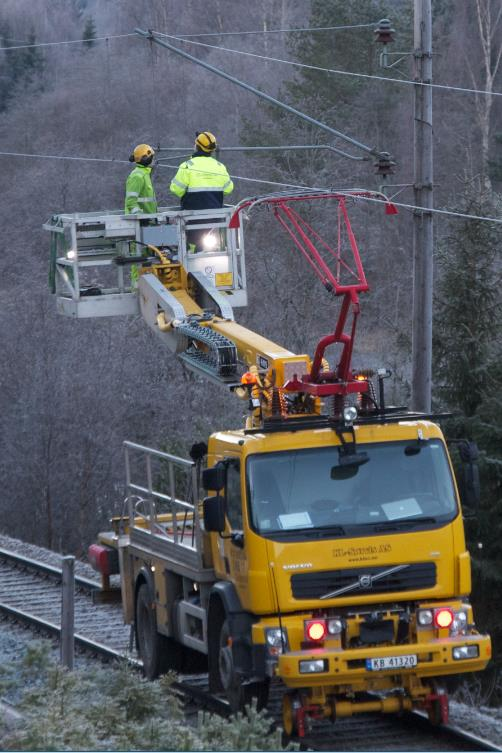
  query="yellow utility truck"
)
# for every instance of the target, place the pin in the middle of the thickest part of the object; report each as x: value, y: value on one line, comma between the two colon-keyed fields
x: 321, y: 545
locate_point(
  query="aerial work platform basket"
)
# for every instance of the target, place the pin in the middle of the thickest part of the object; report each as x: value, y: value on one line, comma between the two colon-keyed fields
x: 93, y: 253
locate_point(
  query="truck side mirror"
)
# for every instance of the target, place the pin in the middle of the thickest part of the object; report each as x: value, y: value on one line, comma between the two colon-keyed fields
x: 214, y: 513
x: 469, y: 486
x: 213, y: 479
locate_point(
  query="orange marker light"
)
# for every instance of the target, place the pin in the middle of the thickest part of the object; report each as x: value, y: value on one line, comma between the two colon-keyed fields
x: 315, y: 630
x: 249, y: 378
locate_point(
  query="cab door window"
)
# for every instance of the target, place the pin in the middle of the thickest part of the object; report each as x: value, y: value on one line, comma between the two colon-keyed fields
x: 233, y: 496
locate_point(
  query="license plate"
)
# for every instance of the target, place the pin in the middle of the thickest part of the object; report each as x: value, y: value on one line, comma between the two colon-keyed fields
x: 392, y: 662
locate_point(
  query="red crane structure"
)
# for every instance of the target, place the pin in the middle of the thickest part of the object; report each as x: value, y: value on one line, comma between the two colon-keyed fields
x: 339, y: 268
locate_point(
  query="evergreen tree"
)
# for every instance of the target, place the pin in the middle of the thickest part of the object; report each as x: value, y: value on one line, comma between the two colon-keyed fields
x: 468, y: 381
x: 345, y: 102
x: 114, y: 708
x: 89, y: 33
x: 348, y: 49
x: 22, y: 67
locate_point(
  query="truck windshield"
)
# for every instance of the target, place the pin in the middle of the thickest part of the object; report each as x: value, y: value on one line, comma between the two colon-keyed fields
x: 401, y: 486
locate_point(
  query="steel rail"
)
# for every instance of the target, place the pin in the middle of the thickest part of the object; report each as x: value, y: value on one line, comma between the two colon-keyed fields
x: 44, y: 567
x: 93, y: 646
x: 421, y: 718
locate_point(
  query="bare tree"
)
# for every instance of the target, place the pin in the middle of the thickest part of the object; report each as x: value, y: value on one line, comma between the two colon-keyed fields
x: 488, y: 15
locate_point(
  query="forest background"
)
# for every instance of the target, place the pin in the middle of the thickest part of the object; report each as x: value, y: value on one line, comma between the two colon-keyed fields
x: 72, y: 391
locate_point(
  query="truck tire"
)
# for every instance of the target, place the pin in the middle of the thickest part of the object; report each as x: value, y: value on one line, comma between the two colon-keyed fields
x: 238, y: 694
x: 158, y: 653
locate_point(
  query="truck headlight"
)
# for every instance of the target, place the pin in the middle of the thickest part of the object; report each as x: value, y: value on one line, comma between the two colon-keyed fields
x: 310, y: 666
x: 466, y: 652
x: 349, y: 414
x: 276, y: 640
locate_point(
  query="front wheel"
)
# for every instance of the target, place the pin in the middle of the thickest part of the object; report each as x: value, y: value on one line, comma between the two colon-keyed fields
x: 158, y: 653
x: 238, y: 694
x: 290, y: 705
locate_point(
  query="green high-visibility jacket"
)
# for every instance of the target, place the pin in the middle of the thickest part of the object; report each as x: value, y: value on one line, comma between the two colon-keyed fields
x: 140, y: 196
x: 201, y: 182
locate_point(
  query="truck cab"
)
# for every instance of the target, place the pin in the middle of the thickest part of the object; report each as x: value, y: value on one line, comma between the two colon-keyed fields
x: 354, y: 567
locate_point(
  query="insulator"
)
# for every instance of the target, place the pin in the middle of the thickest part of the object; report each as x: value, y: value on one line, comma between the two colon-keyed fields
x: 384, y: 164
x: 338, y: 406
x: 384, y: 33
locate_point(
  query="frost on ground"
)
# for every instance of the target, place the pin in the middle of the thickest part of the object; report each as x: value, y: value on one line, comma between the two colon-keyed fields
x: 44, y: 555
x: 48, y: 557
x: 483, y: 722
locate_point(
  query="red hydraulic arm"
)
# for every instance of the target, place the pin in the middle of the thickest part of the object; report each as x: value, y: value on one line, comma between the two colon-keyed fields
x: 340, y: 270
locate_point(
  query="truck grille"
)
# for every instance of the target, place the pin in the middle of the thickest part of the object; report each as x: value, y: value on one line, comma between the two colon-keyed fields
x: 414, y: 576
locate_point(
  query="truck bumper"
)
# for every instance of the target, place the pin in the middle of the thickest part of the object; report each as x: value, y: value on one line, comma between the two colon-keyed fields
x: 349, y: 666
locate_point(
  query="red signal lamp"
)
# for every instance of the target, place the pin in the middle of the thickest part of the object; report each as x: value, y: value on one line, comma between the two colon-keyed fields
x: 443, y: 617
x: 315, y: 630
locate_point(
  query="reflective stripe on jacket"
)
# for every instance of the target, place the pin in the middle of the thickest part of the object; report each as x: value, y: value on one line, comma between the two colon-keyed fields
x: 140, y: 196
x: 201, y: 182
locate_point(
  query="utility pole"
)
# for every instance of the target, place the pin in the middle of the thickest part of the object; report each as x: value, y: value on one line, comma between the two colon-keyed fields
x: 421, y: 378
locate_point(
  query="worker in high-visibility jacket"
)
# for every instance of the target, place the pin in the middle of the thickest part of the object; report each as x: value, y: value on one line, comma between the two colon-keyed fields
x: 201, y: 182
x: 140, y: 195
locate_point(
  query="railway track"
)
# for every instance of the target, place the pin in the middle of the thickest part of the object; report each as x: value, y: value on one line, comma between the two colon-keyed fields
x: 30, y: 592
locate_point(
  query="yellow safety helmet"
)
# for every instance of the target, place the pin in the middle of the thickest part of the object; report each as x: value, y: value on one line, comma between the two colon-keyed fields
x: 205, y: 141
x: 143, y: 154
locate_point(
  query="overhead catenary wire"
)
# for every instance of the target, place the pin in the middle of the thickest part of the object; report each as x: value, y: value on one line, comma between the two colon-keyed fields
x: 274, y: 148
x: 24, y: 44
x: 64, y: 157
x: 336, y: 71
x: 67, y: 41
x: 281, y: 31
x: 347, y: 192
